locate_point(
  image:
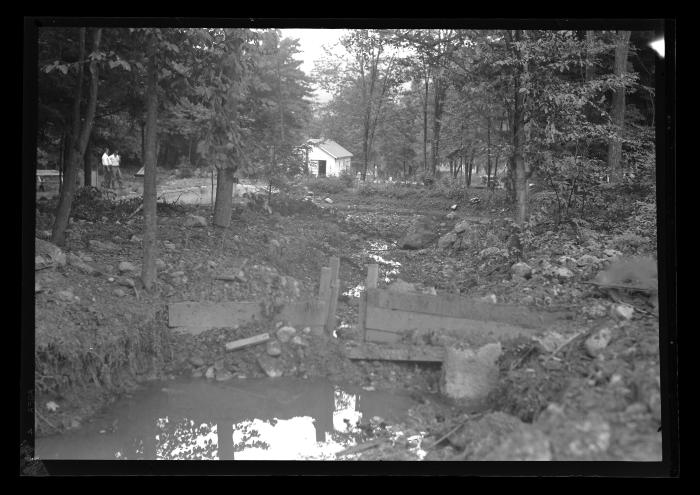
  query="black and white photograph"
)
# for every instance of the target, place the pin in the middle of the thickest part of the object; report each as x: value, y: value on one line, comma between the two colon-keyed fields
x: 349, y: 241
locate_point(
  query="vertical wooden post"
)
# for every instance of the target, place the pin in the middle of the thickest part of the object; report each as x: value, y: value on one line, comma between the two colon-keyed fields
x: 370, y: 283
x: 333, y: 299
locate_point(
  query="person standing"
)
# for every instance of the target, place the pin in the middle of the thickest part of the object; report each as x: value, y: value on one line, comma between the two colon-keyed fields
x: 114, y: 161
x: 106, y: 168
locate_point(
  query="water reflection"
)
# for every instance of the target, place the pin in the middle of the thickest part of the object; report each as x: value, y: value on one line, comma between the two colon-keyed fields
x: 267, y: 419
x: 388, y: 269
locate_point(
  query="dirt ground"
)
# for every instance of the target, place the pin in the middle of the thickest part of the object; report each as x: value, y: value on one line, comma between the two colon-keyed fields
x: 98, y: 333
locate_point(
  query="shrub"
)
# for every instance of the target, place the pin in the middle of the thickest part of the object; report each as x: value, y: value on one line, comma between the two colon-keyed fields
x: 347, y: 178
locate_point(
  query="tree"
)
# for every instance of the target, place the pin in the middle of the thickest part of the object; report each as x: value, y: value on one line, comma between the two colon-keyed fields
x: 80, y: 135
x: 369, y: 77
x: 150, y: 218
x: 618, y: 106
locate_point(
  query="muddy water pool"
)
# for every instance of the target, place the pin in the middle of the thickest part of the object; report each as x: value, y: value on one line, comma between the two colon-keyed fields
x: 273, y: 419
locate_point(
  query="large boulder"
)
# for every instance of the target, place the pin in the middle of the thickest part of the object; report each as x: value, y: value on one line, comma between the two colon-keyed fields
x: 447, y: 240
x: 419, y: 235
x: 468, y: 375
x: 47, y: 254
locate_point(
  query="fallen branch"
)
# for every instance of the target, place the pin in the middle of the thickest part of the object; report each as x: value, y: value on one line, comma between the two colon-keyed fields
x: 136, y: 210
x: 41, y: 417
x: 360, y: 448
x: 446, y: 435
x: 237, y: 344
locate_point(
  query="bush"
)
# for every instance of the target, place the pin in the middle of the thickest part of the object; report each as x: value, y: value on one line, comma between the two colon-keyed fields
x: 347, y: 178
x: 330, y: 185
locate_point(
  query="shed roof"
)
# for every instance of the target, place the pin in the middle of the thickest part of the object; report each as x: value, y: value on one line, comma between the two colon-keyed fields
x: 331, y: 147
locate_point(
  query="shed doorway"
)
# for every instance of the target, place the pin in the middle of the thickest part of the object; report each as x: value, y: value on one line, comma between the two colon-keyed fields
x: 322, y: 168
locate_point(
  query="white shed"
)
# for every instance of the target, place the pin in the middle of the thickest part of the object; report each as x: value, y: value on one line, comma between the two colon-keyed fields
x: 327, y: 158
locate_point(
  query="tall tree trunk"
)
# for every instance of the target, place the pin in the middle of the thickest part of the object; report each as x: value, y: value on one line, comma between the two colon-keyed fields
x: 87, y: 166
x: 425, y: 123
x: 224, y: 197
x: 488, y: 153
x: 143, y: 143
x: 590, y: 72
x: 438, y: 102
x: 79, y: 142
x: 225, y: 175
x: 150, y: 218
x: 618, y: 108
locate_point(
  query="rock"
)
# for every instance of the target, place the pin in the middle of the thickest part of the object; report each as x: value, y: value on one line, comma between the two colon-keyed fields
x: 195, y: 221
x: 470, y: 375
x: 612, y: 253
x: 524, y: 444
x: 527, y: 300
x: 587, y: 260
x: 160, y: 264
x: 47, y: 254
x: 126, y: 282
x: 37, y: 287
x: 176, y: 274
x: 273, y: 348
x: 563, y: 273
x: 107, y: 246
x: 598, y: 341
x: 462, y: 226
x: 522, y: 270
x: 595, y: 310
x: 126, y: 266
x: 119, y: 292
x: 622, y: 311
x: 490, y: 251
x: 447, y: 240
x: 77, y: 262
x: 211, y: 373
x: 285, y: 333
x: 298, y: 341
x: 567, y: 261
x: 551, y: 340
x: 307, y: 330
x: 583, y: 438
x: 136, y: 238
x: 223, y: 375
x: 490, y: 298
x: 453, y: 207
x: 66, y: 295
x: 271, y: 366
x: 197, y: 373
x: 329, y: 201
x: 196, y: 361
x: 451, y: 215
x: 419, y: 235
x: 219, y: 364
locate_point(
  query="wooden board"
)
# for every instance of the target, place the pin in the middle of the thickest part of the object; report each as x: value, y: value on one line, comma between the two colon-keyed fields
x: 240, y: 343
x: 212, y: 315
x: 457, y: 307
x: 392, y: 322
x: 395, y: 352
x: 373, y: 335
x: 196, y: 317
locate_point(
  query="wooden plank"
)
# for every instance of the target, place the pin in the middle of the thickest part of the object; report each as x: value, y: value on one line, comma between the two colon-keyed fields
x: 395, y: 352
x: 457, y: 307
x: 302, y: 314
x: 212, y: 315
x: 373, y: 335
x: 370, y: 282
x: 325, y: 284
x: 372, y: 276
x: 334, y: 292
x: 256, y: 339
x: 405, y: 321
x: 195, y: 317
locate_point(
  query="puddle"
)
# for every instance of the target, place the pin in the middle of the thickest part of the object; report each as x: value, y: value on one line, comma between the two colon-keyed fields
x: 388, y: 269
x: 281, y: 419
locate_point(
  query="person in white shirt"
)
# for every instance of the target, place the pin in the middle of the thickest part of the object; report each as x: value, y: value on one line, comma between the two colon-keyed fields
x: 106, y: 168
x: 114, y: 160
